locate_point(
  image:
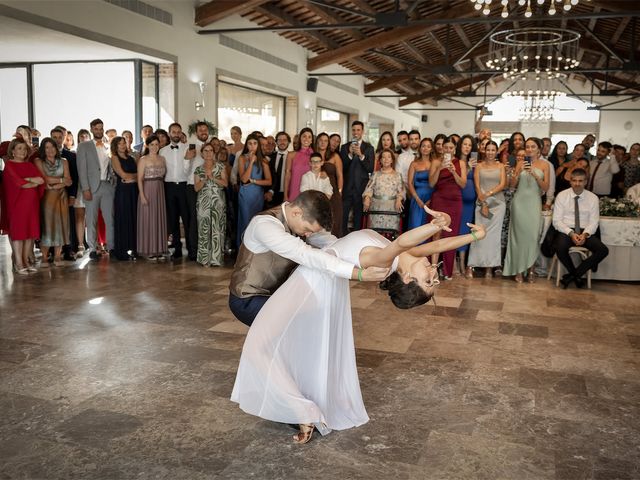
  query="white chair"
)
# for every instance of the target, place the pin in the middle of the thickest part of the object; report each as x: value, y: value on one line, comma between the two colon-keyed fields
x: 584, y: 254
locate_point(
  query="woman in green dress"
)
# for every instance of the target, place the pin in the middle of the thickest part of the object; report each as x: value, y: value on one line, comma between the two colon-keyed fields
x: 530, y: 179
x: 210, y: 180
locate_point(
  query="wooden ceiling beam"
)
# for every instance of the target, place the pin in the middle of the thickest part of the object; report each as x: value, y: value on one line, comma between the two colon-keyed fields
x: 627, y: 85
x: 620, y: 30
x: 280, y: 16
x: 383, y: 39
x: 435, y: 92
x: 385, y: 82
x: 612, y: 5
x: 217, y: 10
x: 364, y: 6
x: 334, y: 18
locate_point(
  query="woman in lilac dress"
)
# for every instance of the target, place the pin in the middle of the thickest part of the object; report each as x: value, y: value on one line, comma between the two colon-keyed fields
x: 298, y: 164
x: 151, y: 234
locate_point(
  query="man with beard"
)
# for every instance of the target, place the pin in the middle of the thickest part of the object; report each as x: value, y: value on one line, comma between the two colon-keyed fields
x: 178, y: 157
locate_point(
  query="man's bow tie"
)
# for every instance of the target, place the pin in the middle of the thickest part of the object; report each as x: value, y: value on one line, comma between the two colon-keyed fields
x: 174, y: 146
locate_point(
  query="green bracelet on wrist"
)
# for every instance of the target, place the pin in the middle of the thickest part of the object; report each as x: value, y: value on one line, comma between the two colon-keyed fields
x: 473, y: 234
x: 359, y: 274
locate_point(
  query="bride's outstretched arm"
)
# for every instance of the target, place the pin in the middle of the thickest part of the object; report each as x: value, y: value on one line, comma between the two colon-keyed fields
x: 450, y: 243
x: 383, y: 257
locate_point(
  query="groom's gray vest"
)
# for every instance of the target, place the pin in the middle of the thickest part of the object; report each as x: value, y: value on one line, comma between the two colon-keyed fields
x: 260, y: 273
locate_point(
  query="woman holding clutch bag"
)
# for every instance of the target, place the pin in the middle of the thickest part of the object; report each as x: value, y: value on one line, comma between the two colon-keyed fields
x: 490, y: 178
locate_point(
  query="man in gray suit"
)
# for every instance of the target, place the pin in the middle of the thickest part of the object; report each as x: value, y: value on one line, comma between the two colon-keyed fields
x: 95, y: 178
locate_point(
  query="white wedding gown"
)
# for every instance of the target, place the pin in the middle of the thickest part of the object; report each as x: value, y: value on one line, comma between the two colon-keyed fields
x: 298, y: 363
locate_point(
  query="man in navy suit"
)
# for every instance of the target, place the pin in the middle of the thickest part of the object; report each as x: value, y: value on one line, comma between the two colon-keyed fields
x: 277, y: 163
x: 357, y: 163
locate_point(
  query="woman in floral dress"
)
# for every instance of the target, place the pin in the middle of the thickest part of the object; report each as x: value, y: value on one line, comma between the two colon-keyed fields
x: 210, y: 180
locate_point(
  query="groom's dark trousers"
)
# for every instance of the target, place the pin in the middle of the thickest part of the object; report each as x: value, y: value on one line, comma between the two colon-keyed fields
x: 246, y: 309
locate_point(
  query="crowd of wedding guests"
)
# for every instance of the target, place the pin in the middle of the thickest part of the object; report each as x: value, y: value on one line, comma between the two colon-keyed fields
x: 112, y: 197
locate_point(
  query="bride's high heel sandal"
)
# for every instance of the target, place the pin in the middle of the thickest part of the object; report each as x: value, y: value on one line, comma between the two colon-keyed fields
x: 305, y: 433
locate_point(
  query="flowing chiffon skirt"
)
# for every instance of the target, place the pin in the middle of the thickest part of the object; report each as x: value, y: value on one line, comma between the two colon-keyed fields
x: 298, y: 363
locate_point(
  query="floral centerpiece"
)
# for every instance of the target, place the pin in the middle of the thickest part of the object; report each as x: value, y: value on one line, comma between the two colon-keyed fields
x: 213, y: 130
x: 621, y: 207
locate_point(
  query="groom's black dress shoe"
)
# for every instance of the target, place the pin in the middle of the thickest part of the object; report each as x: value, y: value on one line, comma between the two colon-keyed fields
x: 566, y: 280
x: 580, y: 283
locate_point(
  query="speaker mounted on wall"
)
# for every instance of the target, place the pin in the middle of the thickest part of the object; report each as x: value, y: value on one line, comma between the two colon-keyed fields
x: 312, y: 84
x: 424, y: 118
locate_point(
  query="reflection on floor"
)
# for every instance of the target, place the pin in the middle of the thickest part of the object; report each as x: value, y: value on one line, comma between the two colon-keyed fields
x: 124, y: 370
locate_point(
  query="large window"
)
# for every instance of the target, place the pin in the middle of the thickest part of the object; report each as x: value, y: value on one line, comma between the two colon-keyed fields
x: 332, y: 121
x: 149, y: 82
x: 249, y: 109
x: 123, y: 93
x: 73, y: 94
x: 14, y: 103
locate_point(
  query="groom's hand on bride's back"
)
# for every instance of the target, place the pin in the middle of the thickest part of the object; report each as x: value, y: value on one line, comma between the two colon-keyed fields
x: 370, y: 274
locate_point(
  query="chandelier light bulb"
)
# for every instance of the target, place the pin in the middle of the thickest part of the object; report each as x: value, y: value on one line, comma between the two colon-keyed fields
x: 486, y: 10
x: 477, y: 6
x: 505, y: 12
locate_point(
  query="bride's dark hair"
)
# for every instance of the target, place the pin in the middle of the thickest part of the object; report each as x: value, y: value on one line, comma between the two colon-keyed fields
x: 404, y: 295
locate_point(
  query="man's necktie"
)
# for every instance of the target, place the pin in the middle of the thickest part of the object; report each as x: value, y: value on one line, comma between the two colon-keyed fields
x: 593, y: 176
x: 279, y: 170
x: 577, y: 228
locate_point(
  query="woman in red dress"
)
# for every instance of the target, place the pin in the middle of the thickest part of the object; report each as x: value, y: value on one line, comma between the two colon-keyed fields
x: 448, y: 176
x: 23, y: 188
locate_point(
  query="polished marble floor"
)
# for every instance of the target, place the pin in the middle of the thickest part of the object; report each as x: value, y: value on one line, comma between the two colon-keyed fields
x: 113, y: 370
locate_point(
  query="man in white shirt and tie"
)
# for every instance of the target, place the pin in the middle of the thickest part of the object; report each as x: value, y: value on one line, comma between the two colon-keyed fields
x: 277, y: 164
x: 178, y: 158
x: 602, y: 169
x: 576, y: 214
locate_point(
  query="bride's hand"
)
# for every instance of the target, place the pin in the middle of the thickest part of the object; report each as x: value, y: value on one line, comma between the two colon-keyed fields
x: 440, y: 219
x: 478, y: 230
x: 375, y: 274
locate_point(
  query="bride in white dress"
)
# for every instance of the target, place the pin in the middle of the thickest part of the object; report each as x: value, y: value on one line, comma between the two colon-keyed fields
x: 298, y: 363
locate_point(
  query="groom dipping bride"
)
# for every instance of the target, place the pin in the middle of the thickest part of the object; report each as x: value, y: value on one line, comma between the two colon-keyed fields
x: 298, y: 363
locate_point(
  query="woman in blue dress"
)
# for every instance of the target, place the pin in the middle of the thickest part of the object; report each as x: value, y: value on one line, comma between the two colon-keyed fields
x: 418, y: 184
x: 254, y: 173
x: 467, y: 151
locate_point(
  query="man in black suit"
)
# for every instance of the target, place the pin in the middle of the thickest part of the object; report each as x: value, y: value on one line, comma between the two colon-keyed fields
x: 58, y: 134
x: 277, y: 163
x: 357, y: 163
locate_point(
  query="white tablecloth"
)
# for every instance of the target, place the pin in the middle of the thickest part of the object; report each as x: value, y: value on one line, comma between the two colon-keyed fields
x: 622, y: 236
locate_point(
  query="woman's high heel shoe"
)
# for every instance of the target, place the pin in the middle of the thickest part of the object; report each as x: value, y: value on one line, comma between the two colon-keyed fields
x: 531, y: 276
x: 468, y: 272
x: 518, y: 278
x: 305, y: 433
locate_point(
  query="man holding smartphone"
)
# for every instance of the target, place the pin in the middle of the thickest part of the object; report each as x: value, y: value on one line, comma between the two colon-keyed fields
x: 357, y: 163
